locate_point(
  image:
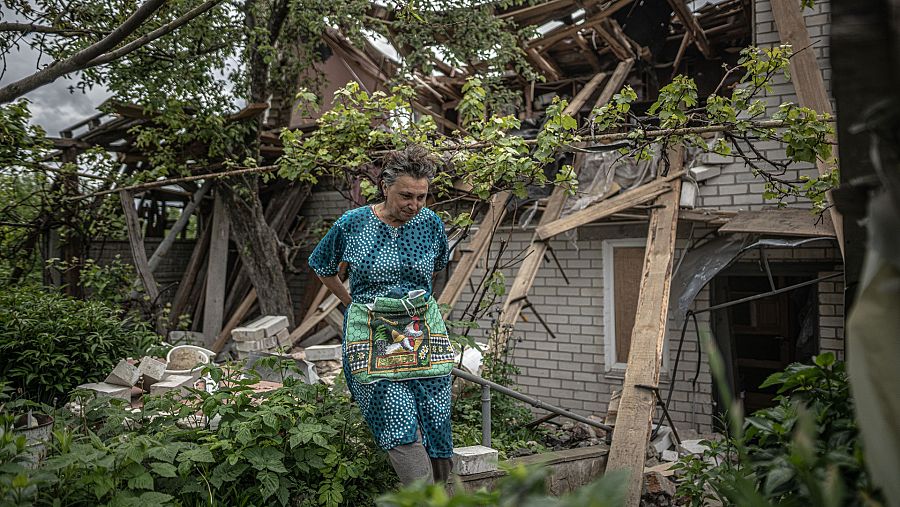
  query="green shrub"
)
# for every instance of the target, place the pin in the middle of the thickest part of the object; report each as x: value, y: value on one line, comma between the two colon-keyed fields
x: 50, y: 343
x: 804, y: 451
x: 520, y: 488
x: 295, y: 445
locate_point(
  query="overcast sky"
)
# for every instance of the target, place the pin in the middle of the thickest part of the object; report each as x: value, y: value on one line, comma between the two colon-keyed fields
x: 53, y: 106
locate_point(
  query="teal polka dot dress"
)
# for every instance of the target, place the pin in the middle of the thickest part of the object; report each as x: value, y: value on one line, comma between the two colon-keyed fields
x: 389, y: 262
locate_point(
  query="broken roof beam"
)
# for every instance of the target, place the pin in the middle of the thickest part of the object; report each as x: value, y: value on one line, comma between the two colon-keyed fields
x: 587, y: 52
x: 692, y: 26
x: 607, y: 207
x: 621, y: 49
x: 476, y: 250
x: 549, y: 69
x: 554, y: 36
x: 637, y: 403
x: 615, y: 83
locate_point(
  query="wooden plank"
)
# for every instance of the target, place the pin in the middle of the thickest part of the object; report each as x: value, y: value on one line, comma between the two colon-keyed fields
x: 781, y: 222
x: 555, y: 36
x: 807, y: 78
x: 628, y: 265
x: 477, y: 247
x: 693, y: 26
x: 136, y: 242
x: 179, y: 225
x: 189, y: 278
x: 585, y: 93
x: 607, y: 207
x: 632, y: 430
x: 615, y: 82
x: 587, y: 52
x: 309, y: 323
x: 547, y: 68
x: 217, y: 264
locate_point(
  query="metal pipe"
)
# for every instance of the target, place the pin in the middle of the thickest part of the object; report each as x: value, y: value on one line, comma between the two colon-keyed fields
x: 527, y: 399
x: 486, y: 415
x: 767, y: 294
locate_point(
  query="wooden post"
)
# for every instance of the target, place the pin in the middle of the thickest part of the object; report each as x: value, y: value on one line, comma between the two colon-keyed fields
x: 136, y: 241
x: 632, y: 430
x: 808, y: 81
x: 476, y: 250
x: 214, y: 305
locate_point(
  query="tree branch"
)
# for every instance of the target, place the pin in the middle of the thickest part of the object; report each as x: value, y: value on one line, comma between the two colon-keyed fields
x: 79, y: 60
x: 155, y: 34
x: 26, y: 28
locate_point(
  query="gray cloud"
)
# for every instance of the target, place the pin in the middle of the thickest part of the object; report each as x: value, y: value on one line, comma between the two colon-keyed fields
x: 53, y: 106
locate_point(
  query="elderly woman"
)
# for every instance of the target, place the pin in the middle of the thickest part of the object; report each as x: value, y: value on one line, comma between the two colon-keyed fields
x: 397, y: 355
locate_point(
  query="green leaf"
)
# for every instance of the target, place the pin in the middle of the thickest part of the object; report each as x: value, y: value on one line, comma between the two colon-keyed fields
x: 163, y: 469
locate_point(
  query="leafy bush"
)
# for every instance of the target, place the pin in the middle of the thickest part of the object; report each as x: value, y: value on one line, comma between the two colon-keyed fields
x: 50, y: 343
x: 508, y: 415
x: 803, y: 451
x: 295, y: 445
x: 520, y: 488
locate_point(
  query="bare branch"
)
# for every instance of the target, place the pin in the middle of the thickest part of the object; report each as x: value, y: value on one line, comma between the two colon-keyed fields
x: 79, y: 60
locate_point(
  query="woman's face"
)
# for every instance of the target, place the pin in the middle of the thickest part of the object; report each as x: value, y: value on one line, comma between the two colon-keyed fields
x: 406, y: 197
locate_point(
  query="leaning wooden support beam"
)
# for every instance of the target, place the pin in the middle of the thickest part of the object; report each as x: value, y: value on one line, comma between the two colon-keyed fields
x: 808, y: 82
x: 607, y: 207
x: 615, y: 82
x: 136, y: 241
x: 585, y: 93
x: 180, y: 224
x: 632, y: 430
x: 311, y: 321
x: 214, y: 303
x: 692, y: 26
x: 475, y: 250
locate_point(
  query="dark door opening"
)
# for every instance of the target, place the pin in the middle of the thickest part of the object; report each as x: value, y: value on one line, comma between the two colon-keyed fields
x: 763, y: 336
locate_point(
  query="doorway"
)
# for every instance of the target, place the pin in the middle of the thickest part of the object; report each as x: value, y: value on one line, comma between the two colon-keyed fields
x: 763, y: 336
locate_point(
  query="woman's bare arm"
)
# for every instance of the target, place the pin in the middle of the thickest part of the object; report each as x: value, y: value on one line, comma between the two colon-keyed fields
x: 337, y: 288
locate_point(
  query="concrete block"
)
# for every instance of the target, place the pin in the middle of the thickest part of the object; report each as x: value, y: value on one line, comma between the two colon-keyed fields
x: 124, y: 374
x: 152, y: 369
x: 323, y: 353
x: 266, y: 343
x: 474, y: 459
x: 283, y: 338
x: 172, y: 382
x: 109, y: 390
x: 262, y: 327
x: 705, y: 172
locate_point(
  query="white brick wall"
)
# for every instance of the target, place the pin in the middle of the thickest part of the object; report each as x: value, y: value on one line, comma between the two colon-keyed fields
x: 736, y: 188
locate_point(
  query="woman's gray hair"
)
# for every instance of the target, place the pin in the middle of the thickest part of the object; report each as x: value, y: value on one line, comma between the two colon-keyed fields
x: 414, y: 161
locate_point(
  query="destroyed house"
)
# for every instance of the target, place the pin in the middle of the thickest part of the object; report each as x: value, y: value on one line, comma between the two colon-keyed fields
x: 571, y: 304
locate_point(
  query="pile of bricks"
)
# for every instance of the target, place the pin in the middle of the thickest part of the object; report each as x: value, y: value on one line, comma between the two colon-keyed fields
x: 264, y: 334
x: 150, y: 372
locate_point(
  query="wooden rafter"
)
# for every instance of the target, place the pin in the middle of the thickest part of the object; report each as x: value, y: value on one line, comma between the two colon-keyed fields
x: 692, y: 26
x: 554, y: 36
x: 607, y: 207
x: 615, y: 82
x: 636, y: 405
x: 136, y: 242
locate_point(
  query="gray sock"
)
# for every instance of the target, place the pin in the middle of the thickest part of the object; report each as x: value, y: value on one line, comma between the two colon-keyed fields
x: 411, y: 462
x: 440, y: 468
